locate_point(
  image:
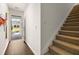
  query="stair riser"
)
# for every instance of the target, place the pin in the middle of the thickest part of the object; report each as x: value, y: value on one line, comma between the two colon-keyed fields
x: 76, y: 42
x: 74, y: 11
x: 73, y: 14
x: 56, y: 51
x: 70, y: 28
x: 73, y: 17
x: 71, y: 24
x: 72, y: 20
x: 69, y: 34
x: 53, y: 52
x: 66, y: 48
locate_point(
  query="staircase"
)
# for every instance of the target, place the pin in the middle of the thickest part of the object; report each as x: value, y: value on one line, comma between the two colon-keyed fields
x: 67, y: 40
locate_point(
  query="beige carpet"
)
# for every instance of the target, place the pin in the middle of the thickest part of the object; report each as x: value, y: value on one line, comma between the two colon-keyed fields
x: 18, y: 47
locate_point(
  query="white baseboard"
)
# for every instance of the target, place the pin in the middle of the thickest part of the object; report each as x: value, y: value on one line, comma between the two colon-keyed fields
x: 5, y: 46
x: 32, y: 49
x: 45, y: 49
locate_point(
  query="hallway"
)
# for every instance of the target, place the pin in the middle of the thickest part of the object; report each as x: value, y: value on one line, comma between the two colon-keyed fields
x: 20, y: 22
x: 18, y: 47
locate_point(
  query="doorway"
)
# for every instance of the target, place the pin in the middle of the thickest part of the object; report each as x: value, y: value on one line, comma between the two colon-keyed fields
x: 16, y: 27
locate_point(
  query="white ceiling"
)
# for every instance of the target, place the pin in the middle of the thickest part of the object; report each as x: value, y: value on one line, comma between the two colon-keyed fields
x: 18, y: 6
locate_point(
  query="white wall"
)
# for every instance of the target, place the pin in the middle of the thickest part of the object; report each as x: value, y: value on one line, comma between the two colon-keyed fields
x: 52, y: 17
x: 14, y: 12
x: 32, y: 15
x: 3, y: 41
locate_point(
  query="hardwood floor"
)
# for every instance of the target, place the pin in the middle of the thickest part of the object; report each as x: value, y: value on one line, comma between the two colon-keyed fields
x: 18, y: 47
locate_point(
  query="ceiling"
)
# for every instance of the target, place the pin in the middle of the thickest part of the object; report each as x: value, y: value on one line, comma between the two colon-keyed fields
x: 18, y: 6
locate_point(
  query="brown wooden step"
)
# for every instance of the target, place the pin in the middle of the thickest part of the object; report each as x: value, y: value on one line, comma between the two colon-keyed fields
x: 52, y: 52
x: 73, y: 17
x: 69, y: 33
x: 72, y: 28
x: 69, y: 39
x: 72, y: 20
x: 73, y: 14
x: 67, y: 46
x: 71, y: 24
x: 55, y: 50
x: 75, y: 10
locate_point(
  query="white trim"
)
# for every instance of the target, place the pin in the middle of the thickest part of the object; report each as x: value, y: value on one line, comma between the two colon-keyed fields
x: 6, y: 45
x: 31, y: 48
x: 45, y: 49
